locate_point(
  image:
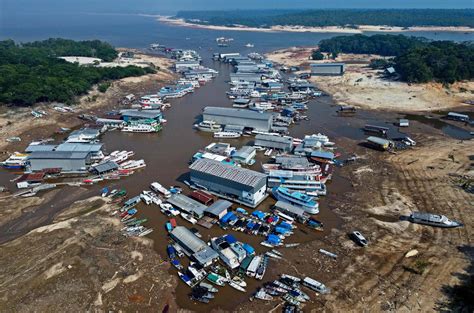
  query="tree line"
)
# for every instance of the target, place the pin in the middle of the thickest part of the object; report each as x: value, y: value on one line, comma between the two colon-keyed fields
x: 32, y: 72
x: 333, y: 17
x: 415, y: 59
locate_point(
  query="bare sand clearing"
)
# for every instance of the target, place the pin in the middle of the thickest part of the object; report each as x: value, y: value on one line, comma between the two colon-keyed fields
x: 19, y: 121
x: 364, y: 87
x: 328, y: 29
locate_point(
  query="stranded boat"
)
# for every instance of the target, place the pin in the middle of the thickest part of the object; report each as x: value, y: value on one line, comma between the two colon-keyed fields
x: 433, y: 220
x: 296, y: 198
x: 315, y: 285
x: 15, y: 161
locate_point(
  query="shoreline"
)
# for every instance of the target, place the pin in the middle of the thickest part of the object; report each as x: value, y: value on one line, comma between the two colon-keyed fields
x: 366, y: 88
x: 328, y: 29
x: 18, y: 121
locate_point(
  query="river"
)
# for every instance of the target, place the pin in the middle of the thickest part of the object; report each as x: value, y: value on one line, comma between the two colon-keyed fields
x: 167, y: 153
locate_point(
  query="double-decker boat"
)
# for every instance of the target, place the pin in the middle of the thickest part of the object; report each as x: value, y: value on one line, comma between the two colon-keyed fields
x: 296, y: 198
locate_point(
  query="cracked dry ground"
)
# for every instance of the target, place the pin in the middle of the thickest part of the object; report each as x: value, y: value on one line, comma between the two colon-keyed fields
x: 80, y: 263
x: 422, y: 179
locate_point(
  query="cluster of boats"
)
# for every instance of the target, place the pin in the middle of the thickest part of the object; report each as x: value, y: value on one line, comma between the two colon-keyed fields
x: 289, y: 288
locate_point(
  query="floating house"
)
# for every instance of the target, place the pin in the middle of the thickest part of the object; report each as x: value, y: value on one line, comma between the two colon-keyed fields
x: 233, y: 183
x: 193, y: 246
x: 327, y: 69
x: 218, y: 209
x: 283, y: 143
x: 246, y: 118
x: 187, y: 205
x: 291, y: 210
x: 245, y: 155
x: 138, y: 115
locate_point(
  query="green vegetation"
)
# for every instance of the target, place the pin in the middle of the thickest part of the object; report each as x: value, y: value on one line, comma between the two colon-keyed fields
x: 104, y: 86
x: 32, y: 72
x: 317, y: 55
x: 416, y: 59
x: 417, y: 267
x: 334, y: 17
x: 386, y: 45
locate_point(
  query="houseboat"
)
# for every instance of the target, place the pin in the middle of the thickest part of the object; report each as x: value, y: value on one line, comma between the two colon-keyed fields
x: 296, y: 198
x: 295, y: 182
x: 141, y: 128
x: 157, y: 187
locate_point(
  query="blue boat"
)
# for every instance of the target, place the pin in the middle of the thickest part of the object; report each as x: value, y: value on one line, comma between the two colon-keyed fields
x: 171, y: 251
x: 296, y: 198
x: 169, y: 227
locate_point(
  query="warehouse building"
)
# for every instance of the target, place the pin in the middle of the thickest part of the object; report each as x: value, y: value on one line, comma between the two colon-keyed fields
x: 187, y: 205
x: 283, y: 143
x: 193, y: 246
x: 239, y: 117
x: 328, y: 69
x: 233, y: 183
x: 66, y: 160
x: 218, y: 209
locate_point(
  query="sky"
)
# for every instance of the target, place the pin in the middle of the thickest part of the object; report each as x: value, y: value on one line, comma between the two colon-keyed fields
x: 171, y: 6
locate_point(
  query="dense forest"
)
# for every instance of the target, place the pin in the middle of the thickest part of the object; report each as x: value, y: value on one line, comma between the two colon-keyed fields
x: 334, y: 17
x: 416, y: 59
x: 32, y: 72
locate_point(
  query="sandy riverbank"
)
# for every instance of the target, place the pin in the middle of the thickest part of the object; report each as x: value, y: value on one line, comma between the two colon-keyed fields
x: 329, y: 29
x: 18, y: 121
x: 364, y: 87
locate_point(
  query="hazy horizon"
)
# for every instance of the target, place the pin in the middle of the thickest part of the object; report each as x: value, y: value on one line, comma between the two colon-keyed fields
x: 8, y: 7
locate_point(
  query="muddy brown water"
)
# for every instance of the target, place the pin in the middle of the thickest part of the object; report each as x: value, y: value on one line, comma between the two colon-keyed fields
x: 167, y: 155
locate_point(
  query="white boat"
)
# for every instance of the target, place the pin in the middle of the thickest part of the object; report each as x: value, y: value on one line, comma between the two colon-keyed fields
x: 315, y: 285
x: 273, y: 255
x: 140, y: 128
x: 188, y: 218
x: 208, y: 126
x: 133, y: 164
x: 145, y: 232
x: 262, y: 295
x: 250, y: 45
x: 293, y: 278
x: 239, y: 281
x: 145, y: 198
x: 236, y: 286
x: 15, y: 161
x: 226, y: 135
x: 209, y: 287
x: 433, y: 220
x: 157, y: 187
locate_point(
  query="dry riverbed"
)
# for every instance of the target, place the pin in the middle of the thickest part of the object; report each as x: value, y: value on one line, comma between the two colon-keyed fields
x: 364, y: 87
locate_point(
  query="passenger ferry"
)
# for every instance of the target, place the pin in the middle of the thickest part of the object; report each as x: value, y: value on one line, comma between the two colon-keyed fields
x: 226, y: 135
x: 141, y: 128
x: 433, y: 220
x: 15, y: 161
x: 304, y: 183
x: 312, y: 170
x: 296, y: 198
x: 208, y: 126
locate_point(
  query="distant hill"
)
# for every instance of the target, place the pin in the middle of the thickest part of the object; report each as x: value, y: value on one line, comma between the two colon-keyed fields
x: 333, y: 17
